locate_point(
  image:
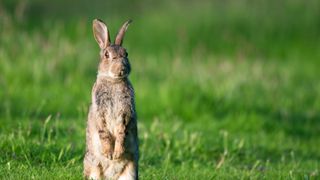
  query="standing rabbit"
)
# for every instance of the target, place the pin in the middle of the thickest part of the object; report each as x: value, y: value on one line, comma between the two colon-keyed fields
x: 111, y: 135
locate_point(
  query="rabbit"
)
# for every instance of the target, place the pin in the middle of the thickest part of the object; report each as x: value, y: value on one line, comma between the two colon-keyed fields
x: 112, y: 149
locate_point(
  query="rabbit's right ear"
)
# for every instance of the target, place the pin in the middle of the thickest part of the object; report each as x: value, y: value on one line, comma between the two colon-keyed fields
x: 101, y: 33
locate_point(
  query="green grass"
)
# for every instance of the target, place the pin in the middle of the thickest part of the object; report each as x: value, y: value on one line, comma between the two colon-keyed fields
x: 229, y: 92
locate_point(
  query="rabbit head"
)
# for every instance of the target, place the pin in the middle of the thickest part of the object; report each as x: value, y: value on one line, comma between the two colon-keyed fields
x: 114, y: 62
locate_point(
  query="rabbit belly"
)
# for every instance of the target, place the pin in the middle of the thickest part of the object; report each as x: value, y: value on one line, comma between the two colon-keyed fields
x: 112, y: 168
x: 96, y: 143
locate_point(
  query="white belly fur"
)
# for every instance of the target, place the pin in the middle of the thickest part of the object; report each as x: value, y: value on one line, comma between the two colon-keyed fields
x: 96, y: 143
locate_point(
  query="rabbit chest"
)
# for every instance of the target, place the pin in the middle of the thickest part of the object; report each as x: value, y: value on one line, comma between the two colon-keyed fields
x: 114, y: 103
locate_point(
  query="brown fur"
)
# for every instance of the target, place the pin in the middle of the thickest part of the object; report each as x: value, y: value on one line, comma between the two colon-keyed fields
x: 111, y: 136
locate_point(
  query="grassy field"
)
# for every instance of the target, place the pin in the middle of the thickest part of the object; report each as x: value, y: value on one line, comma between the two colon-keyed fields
x: 224, y: 90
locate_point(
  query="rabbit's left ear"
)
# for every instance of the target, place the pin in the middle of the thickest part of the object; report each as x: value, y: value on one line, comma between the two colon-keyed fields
x: 101, y: 33
x: 121, y: 33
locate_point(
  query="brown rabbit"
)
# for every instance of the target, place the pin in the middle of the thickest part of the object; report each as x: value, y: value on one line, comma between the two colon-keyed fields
x: 111, y: 136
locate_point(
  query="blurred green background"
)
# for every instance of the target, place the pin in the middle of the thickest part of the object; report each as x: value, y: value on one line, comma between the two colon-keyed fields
x: 224, y: 89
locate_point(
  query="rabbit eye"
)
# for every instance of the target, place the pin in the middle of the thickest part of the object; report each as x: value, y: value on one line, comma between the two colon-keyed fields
x: 107, y: 54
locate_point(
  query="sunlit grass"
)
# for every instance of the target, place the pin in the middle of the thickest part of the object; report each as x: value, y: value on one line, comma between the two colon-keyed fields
x: 238, y: 105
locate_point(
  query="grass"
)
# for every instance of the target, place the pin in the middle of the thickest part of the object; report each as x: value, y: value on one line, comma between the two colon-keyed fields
x: 236, y: 97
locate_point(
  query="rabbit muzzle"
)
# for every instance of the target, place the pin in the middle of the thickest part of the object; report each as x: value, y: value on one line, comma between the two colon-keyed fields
x: 118, y: 70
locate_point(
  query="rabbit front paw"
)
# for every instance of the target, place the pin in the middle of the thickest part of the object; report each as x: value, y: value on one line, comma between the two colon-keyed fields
x: 108, y: 154
x: 118, y: 152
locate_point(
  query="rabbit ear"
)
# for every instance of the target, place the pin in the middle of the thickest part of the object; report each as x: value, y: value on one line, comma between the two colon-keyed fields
x: 101, y: 33
x: 121, y: 33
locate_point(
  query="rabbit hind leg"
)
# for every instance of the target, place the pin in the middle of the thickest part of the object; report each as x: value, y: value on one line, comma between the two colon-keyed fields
x: 91, y: 170
x: 130, y: 172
